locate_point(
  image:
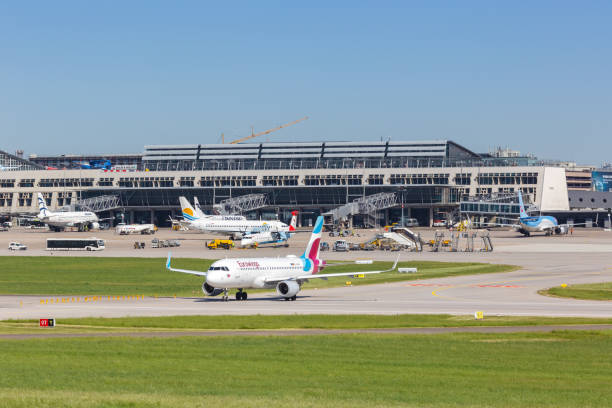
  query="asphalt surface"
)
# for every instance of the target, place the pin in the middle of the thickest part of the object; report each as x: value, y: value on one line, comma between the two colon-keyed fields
x: 585, y: 257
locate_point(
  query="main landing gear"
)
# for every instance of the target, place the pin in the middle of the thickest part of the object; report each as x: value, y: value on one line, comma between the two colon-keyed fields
x: 240, y: 295
x: 291, y: 298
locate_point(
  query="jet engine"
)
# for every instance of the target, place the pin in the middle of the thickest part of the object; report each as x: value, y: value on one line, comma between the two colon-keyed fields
x: 287, y: 289
x: 210, y: 291
x: 94, y: 226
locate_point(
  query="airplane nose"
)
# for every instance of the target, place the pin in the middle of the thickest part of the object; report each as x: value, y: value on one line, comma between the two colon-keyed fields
x: 214, y: 278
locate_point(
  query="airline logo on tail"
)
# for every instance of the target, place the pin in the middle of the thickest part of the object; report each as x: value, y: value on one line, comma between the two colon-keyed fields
x: 293, y: 223
x: 42, y: 206
x: 188, y: 212
x: 311, y: 254
x: 523, y: 213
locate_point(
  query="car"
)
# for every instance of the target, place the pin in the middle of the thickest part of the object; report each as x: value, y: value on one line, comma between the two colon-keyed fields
x: 324, y: 246
x: 411, y: 222
x: 341, y: 246
x: 16, y: 246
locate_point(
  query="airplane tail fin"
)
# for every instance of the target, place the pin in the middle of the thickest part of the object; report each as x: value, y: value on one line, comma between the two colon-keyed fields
x: 42, y: 207
x: 312, y: 249
x: 189, y: 213
x: 198, y: 209
x: 293, y: 223
x: 523, y: 213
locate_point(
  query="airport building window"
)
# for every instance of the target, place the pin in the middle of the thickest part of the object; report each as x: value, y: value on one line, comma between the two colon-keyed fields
x: 105, y: 182
x: 26, y: 183
x: 24, y: 200
x: 7, y: 183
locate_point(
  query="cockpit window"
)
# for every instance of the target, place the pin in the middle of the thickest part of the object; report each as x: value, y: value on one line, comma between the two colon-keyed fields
x: 218, y: 268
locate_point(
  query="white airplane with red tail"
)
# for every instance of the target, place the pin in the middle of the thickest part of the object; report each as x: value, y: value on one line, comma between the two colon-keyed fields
x: 286, y: 274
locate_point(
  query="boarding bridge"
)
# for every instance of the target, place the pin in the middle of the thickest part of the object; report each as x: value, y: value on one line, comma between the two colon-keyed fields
x: 95, y: 204
x: 368, y: 206
x: 242, y: 204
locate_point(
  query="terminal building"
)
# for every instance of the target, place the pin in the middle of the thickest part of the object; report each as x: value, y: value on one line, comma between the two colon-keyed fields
x: 430, y: 179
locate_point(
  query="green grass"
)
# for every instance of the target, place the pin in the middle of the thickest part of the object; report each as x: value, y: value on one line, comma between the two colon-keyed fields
x: 258, y: 322
x: 147, y: 276
x: 589, y: 291
x: 562, y: 369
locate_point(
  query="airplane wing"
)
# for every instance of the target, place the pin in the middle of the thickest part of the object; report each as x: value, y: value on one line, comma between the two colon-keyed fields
x: 331, y: 275
x: 198, y: 273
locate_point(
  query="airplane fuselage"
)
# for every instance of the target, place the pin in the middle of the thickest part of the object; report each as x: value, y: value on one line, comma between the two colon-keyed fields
x: 70, y: 219
x: 254, y: 272
x: 543, y: 223
x: 238, y: 227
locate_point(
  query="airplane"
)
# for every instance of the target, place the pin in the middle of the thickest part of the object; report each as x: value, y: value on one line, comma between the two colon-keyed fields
x: 235, y: 226
x: 527, y: 224
x: 126, y: 229
x: 286, y: 274
x: 271, y: 237
x: 94, y: 164
x: 57, y: 221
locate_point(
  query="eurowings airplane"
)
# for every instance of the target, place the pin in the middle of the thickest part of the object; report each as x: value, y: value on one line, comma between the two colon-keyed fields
x: 62, y: 219
x: 234, y: 225
x: 285, y: 274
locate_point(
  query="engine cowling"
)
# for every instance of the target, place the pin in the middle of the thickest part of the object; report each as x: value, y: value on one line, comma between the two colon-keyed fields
x: 95, y: 226
x: 287, y: 288
x: 210, y: 291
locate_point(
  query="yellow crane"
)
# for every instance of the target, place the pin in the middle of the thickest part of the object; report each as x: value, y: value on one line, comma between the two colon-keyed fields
x: 252, y: 135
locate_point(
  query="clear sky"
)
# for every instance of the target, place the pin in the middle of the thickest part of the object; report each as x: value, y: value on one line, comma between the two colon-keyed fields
x: 113, y: 76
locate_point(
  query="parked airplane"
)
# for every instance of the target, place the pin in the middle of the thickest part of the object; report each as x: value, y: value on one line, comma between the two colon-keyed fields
x: 57, y: 221
x: 527, y: 225
x: 285, y: 274
x: 233, y: 225
x: 126, y: 229
x: 271, y: 237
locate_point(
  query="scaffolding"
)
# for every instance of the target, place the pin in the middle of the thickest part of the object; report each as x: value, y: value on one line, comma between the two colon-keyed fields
x: 242, y: 204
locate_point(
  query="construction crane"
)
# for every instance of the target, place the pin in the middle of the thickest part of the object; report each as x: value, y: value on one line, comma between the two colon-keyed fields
x: 252, y: 135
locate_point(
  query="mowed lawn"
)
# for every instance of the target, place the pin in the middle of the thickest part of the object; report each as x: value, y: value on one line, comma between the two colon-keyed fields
x: 588, y: 291
x: 148, y: 276
x: 562, y: 369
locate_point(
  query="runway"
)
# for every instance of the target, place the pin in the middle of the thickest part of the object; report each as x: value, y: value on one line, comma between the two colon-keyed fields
x: 545, y: 262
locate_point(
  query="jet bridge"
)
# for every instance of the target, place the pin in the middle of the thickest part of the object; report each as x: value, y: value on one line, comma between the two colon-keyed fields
x: 242, y: 204
x: 368, y: 206
x: 95, y: 204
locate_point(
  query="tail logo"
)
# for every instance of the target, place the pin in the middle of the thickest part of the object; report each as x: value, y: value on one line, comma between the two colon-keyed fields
x: 188, y: 213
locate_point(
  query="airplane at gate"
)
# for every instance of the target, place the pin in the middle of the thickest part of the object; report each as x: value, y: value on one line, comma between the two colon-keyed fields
x: 285, y: 274
x: 527, y: 225
x: 62, y: 219
x: 236, y: 226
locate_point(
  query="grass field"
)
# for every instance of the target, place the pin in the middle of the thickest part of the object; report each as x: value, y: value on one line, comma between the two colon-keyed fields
x: 562, y: 369
x: 590, y: 291
x: 259, y: 322
x: 147, y: 276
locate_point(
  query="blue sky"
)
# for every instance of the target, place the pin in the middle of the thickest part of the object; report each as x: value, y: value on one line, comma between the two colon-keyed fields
x: 113, y: 76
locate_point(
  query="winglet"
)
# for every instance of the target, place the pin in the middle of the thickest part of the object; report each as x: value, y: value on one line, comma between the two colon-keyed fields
x: 394, y: 265
x: 168, y: 261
